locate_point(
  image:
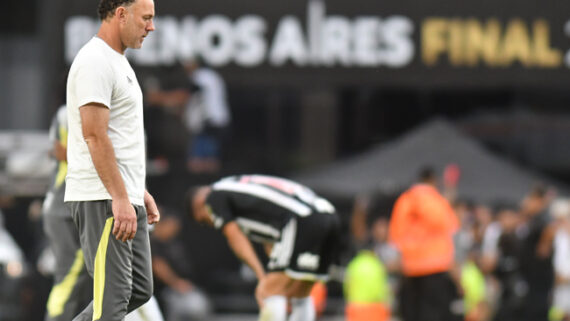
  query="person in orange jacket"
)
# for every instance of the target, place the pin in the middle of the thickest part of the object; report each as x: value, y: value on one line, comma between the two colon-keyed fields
x: 421, y: 228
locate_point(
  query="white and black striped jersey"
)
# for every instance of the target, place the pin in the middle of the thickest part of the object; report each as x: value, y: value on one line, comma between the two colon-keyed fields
x: 262, y: 205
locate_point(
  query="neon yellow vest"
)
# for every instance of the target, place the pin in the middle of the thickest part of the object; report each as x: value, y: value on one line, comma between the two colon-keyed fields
x: 473, y: 283
x: 366, y: 280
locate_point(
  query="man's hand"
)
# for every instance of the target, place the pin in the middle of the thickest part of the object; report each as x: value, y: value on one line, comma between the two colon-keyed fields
x: 183, y: 286
x: 125, y: 226
x: 152, y: 213
x: 260, y: 294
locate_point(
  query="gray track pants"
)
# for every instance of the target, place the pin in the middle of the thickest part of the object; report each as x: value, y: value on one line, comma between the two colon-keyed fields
x: 72, y: 290
x: 121, y: 271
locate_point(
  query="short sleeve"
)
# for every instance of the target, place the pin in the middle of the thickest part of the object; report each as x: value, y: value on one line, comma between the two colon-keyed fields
x: 94, y: 83
x: 218, y: 203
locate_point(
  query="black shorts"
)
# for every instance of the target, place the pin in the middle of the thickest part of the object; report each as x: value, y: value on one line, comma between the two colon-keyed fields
x: 308, y: 247
x: 430, y: 297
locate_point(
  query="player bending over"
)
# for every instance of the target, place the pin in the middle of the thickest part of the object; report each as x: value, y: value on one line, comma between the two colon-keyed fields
x: 300, y: 228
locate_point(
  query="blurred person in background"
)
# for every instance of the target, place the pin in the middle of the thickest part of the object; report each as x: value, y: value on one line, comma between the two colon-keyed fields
x: 385, y: 251
x: 166, y: 98
x: 536, y: 259
x: 422, y: 227
x: 366, y: 288
x: 207, y: 116
x: 464, y: 238
x: 483, y: 217
x: 173, y: 271
x: 369, y: 230
x: 72, y: 288
x: 560, y: 212
x: 473, y: 284
x: 466, y: 257
x: 372, y: 274
x: 105, y: 182
x: 299, y: 228
x: 12, y: 270
x: 500, y: 260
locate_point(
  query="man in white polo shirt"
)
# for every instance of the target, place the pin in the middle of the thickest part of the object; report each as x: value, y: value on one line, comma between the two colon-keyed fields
x: 105, y: 183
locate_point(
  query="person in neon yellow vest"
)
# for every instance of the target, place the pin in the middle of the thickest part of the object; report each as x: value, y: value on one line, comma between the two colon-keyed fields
x: 366, y: 289
x: 474, y: 290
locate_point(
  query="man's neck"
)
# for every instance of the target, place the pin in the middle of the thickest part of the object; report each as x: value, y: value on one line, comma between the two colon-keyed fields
x: 108, y: 32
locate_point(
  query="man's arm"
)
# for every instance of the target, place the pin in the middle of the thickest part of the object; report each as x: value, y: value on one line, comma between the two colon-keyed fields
x: 164, y: 272
x: 152, y: 213
x: 59, y: 151
x: 94, y: 122
x: 241, y: 246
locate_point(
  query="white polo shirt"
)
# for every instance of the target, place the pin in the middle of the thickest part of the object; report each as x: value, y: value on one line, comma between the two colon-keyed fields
x: 101, y: 75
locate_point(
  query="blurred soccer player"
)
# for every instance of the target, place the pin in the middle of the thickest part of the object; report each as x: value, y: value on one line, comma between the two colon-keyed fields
x: 72, y: 285
x: 302, y: 228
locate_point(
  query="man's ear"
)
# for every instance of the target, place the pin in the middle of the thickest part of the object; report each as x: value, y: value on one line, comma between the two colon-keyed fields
x: 121, y: 13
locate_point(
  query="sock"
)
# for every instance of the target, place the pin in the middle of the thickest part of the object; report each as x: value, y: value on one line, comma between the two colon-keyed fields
x: 274, y: 309
x: 302, y: 309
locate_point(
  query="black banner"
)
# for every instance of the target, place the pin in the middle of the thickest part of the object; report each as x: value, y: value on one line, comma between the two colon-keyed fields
x: 361, y: 42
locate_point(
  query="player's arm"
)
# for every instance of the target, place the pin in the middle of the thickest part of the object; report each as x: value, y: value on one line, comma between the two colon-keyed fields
x: 94, y: 122
x: 164, y: 272
x: 241, y: 246
x: 59, y: 151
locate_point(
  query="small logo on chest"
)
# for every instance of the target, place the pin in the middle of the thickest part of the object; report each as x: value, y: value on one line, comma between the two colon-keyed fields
x: 129, y: 80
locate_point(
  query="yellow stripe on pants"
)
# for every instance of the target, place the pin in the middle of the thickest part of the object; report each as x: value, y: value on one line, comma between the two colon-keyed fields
x: 61, y: 292
x: 99, y: 270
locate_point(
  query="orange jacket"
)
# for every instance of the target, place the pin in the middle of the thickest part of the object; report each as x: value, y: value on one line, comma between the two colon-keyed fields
x: 422, y: 228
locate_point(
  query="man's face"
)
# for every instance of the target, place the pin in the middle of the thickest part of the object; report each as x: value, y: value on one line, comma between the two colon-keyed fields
x: 138, y: 23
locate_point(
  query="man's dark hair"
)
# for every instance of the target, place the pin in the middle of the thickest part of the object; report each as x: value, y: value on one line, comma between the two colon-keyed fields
x: 107, y: 7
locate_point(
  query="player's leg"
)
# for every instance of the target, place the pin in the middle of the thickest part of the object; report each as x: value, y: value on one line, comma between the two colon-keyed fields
x: 276, y: 283
x: 72, y: 287
x: 278, y: 287
x: 275, y: 288
x: 314, y: 252
x: 274, y: 308
x: 302, y: 305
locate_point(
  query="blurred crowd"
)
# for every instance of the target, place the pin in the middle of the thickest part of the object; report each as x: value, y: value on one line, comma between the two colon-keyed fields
x: 496, y: 261
x: 510, y: 261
